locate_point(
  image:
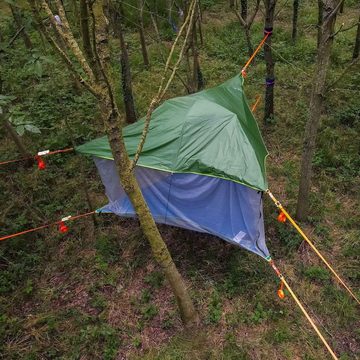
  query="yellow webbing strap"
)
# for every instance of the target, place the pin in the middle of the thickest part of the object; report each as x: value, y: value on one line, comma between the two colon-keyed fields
x: 282, y: 279
x: 297, y: 227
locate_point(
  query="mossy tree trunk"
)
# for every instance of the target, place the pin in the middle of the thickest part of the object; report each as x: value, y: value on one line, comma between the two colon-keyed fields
x: 270, y: 65
x: 329, y: 8
x: 113, y: 122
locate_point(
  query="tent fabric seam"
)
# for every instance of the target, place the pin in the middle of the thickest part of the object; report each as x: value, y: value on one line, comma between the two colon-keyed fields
x: 186, y: 172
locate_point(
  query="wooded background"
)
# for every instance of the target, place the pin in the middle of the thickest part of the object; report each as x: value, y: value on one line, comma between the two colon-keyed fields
x: 97, y: 292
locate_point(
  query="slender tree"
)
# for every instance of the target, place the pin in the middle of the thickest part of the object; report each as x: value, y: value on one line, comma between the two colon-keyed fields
x: 195, y: 80
x: 244, y: 8
x: 20, y: 26
x: 357, y: 42
x: 320, y: 20
x: 85, y: 32
x: 142, y: 35
x: 341, y: 10
x: 200, y: 17
x: 270, y: 65
x: 126, y: 81
x: 295, y: 20
x: 198, y: 79
x: 113, y: 122
x: 75, y: 11
x: 329, y: 9
x: 246, y: 22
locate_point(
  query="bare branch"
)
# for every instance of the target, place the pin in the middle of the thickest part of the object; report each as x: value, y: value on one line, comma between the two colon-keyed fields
x: 353, y: 62
x: 246, y: 23
x: 240, y: 18
x: 59, y: 50
x: 65, y: 33
x: 350, y: 27
x: 336, y: 32
x: 252, y: 18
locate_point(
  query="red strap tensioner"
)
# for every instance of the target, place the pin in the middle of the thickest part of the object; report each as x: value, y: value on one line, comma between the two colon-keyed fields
x: 63, y: 228
x: 40, y: 162
x: 280, y: 291
x: 281, y: 217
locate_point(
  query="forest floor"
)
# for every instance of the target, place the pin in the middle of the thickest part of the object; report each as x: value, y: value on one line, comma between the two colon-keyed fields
x: 96, y: 292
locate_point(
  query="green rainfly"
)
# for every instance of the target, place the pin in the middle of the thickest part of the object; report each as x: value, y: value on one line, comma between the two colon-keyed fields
x: 211, y: 133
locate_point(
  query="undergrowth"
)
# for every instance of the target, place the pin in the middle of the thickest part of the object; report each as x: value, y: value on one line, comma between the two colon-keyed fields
x: 96, y: 293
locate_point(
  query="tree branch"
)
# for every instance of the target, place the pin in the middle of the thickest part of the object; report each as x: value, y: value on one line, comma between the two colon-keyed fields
x: 59, y: 50
x: 64, y: 32
x: 162, y: 90
x: 252, y: 18
x: 350, y: 27
x: 353, y: 62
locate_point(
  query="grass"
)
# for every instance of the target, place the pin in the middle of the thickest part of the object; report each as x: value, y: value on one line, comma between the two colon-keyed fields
x: 97, y: 293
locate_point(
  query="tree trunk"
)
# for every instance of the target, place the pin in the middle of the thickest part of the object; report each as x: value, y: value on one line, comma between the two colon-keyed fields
x: 198, y: 79
x: 15, y: 137
x: 357, y: 42
x: 270, y: 77
x: 85, y: 33
x: 244, y: 8
x: 341, y: 9
x: 320, y: 20
x: 246, y: 23
x: 126, y: 74
x: 104, y: 93
x: 315, y: 107
x: 248, y: 41
x: 295, y: 20
x: 19, y: 24
x: 112, y: 119
x: 142, y: 35
x: 200, y: 24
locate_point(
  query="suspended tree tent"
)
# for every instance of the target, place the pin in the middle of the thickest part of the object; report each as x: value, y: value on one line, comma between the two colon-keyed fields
x: 202, y: 166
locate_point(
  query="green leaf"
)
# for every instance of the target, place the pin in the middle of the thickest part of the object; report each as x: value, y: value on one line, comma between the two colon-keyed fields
x: 32, y: 128
x: 38, y: 69
x: 17, y: 119
x: 47, y: 59
x: 6, y: 99
x: 20, y: 130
